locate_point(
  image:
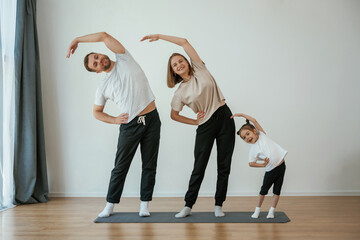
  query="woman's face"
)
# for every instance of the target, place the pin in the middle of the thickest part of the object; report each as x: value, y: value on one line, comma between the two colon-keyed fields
x: 179, y: 65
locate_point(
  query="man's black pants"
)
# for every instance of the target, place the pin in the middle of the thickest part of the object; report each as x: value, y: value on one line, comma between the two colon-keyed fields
x: 147, y: 134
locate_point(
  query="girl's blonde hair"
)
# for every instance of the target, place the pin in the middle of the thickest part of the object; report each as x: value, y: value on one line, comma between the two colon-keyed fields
x: 173, y: 78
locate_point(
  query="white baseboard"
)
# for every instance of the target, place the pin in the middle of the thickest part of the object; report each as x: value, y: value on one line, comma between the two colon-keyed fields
x: 230, y: 194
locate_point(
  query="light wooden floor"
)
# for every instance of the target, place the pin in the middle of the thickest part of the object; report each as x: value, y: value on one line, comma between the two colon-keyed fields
x: 72, y: 218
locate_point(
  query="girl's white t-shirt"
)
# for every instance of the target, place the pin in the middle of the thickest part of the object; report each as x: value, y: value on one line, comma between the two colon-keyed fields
x: 266, y: 148
x: 126, y: 85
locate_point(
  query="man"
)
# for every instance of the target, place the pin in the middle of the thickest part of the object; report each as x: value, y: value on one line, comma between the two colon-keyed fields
x: 126, y: 85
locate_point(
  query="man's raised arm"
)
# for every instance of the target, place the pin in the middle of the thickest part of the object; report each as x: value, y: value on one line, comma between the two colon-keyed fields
x: 111, y: 43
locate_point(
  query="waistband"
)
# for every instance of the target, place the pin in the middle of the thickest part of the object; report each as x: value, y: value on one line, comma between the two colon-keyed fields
x: 220, y: 110
x: 149, y: 113
x: 141, y: 119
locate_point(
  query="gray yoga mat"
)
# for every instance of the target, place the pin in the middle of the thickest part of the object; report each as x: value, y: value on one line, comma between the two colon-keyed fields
x: 196, y: 217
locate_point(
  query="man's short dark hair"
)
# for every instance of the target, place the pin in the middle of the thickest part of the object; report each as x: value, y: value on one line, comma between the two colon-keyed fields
x: 86, y: 62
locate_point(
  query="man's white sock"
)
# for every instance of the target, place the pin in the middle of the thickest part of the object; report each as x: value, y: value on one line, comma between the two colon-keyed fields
x: 184, y: 213
x: 271, y: 213
x: 108, y: 210
x: 144, y: 209
x: 256, y: 213
x: 219, y: 212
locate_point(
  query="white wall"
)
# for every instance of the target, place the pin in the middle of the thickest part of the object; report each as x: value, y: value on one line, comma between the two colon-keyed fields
x: 294, y: 65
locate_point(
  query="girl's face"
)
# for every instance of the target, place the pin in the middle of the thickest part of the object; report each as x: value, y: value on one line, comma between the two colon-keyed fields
x: 179, y: 65
x: 249, y: 136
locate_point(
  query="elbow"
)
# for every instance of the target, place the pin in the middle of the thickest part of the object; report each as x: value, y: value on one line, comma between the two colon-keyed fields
x: 184, y: 41
x: 105, y: 35
x: 96, y: 115
x: 173, y: 115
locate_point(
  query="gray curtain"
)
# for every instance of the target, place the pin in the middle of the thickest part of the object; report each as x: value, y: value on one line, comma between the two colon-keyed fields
x: 30, y: 176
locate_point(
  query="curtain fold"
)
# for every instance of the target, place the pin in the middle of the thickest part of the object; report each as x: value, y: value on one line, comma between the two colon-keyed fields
x: 30, y: 174
x: 7, y: 39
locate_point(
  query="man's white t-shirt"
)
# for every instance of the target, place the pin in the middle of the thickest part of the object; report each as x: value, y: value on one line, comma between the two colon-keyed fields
x: 266, y: 148
x: 126, y: 85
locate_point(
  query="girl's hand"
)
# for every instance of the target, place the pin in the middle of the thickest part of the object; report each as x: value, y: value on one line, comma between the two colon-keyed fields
x: 152, y: 37
x: 251, y: 119
x: 238, y: 115
x: 266, y: 161
x: 200, y: 115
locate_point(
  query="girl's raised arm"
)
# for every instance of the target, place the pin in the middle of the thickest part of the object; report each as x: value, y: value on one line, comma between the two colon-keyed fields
x: 190, y: 51
x: 251, y: 119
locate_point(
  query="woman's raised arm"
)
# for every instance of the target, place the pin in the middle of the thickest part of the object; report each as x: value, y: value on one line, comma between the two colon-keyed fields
x: 190, y: 51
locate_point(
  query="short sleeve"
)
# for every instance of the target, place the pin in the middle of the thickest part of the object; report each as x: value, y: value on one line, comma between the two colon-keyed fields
x: 252, y: 155
x: 198, y: 65
x: 123, y: 56
x: 99, y: 98
x: 176, y: 103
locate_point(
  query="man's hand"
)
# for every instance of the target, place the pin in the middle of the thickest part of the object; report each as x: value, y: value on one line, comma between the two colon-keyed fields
x: 111, y: 43
x: 73, y: 46
x: 122, y: 118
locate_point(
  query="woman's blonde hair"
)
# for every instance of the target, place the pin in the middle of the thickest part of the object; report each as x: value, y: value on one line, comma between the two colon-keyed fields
x: 173, y: 78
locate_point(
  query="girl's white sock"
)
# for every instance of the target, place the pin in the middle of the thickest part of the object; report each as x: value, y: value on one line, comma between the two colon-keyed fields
x: 144, y: 209
x: 271, y: 213
x: 219, y: 212
x: 184, y: 213
x: 108, y: 210
x: 256, y: 213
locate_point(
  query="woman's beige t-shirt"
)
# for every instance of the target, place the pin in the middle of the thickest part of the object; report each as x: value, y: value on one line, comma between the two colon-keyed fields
x: 200, y: 93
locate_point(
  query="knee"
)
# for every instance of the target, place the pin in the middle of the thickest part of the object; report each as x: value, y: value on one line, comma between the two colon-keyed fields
x: 118, y: 171
x: 224, y: 171
x: 264, y: 190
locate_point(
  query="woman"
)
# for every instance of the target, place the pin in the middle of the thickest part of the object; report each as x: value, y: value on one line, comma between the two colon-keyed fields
x: 199, y: 91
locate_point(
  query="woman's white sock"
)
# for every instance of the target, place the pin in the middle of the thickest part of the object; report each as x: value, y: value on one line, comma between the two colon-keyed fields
x: 184, y: 213
x: 219, y: 212
x: 108, y: 210
x: 144, y: 209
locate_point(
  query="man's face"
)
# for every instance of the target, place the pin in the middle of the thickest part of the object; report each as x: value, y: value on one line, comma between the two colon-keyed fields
x: 99, y: 62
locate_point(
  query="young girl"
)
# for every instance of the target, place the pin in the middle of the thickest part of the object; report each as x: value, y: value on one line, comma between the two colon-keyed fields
x: 273, y: 156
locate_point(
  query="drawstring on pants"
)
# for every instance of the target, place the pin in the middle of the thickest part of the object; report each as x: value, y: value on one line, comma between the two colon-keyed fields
x: 141, y: 119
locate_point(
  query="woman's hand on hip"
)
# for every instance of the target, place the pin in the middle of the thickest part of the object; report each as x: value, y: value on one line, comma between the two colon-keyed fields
x: 200, y: 115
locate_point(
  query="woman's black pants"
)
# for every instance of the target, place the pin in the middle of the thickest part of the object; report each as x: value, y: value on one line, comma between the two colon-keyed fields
x: 222, y: 129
